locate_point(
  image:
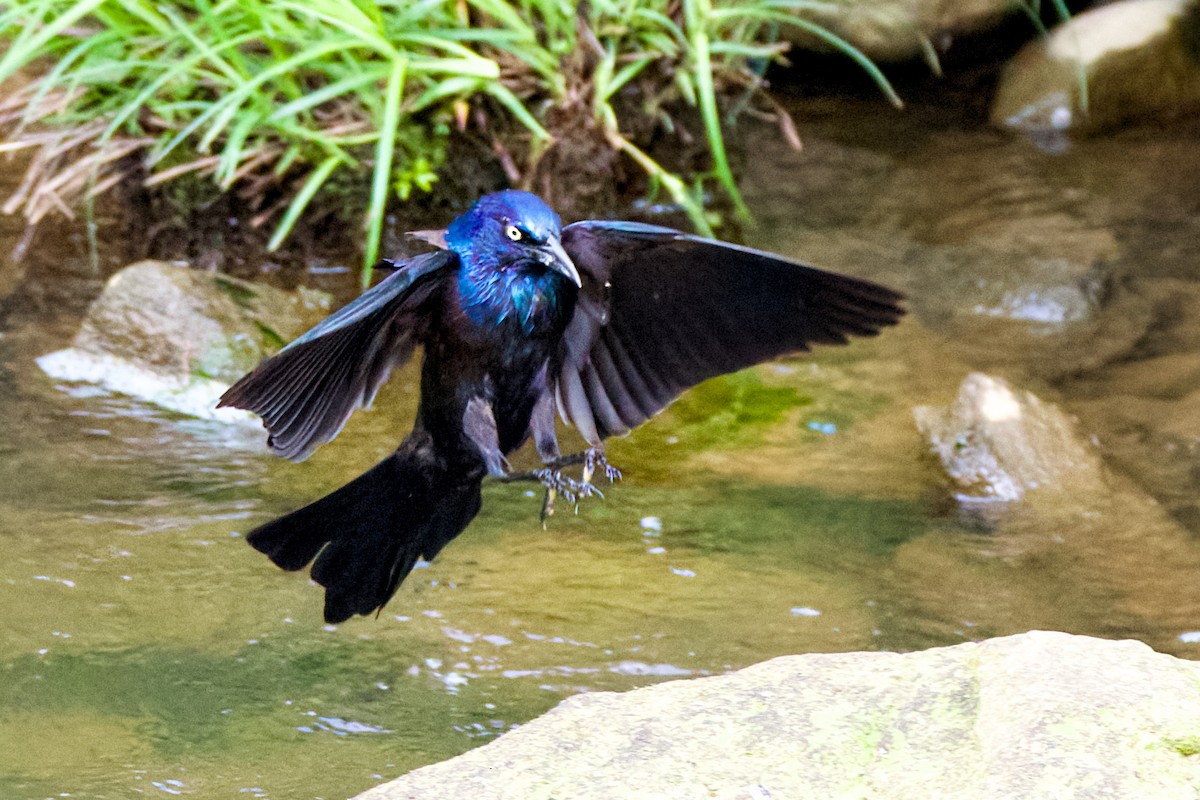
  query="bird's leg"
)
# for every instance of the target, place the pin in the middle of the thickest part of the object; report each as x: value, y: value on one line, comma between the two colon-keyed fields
x: 479, y: 424
x: 555, y: 482
x: 541, y: 424
x: 545, y: 438
x: 547, y: 507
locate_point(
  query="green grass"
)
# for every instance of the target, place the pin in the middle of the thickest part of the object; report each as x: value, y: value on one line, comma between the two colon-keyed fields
x: 282, y: 100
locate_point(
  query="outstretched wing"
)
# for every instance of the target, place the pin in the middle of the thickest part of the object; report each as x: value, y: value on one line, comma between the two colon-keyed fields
x: 661, y: 311
x: 307, y: 391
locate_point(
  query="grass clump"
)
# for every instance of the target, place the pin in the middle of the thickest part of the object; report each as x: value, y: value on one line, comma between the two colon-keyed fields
x: 284, y: 100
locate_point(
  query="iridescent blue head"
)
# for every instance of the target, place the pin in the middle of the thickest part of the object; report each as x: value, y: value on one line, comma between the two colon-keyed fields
x: 513, y: 261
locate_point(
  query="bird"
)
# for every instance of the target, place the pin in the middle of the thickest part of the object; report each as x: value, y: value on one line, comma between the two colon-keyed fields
x: 520, y: 319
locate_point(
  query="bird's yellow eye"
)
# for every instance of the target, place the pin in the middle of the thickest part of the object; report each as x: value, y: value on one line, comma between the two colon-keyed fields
x: 514, y: 233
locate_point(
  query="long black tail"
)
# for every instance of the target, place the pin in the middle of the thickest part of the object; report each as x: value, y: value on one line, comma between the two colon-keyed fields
x: 370, y: 532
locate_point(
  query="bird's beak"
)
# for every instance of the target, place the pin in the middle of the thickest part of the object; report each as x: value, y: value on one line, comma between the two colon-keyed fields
x: 558, y: 260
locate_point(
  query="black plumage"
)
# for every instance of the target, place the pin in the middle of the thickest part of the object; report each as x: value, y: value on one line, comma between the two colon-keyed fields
x: 604, y: 322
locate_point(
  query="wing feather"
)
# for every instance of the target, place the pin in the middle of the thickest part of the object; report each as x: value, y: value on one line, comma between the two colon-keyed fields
x: 573, y: 401
x: 661, y: 311
x: 616, y: 372
x: 306, y: 392
x: 658, y: 393
x: 598, y: 400
x: 645, y: 396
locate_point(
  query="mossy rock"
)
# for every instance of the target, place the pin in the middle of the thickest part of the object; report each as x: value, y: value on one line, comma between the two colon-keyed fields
x: 178, y: 337
x: 1038, y: 715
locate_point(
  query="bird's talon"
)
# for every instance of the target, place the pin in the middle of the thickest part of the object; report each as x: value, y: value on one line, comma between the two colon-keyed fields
x: 571, y: 490
x: 593, y: 461
x: 556, y: 482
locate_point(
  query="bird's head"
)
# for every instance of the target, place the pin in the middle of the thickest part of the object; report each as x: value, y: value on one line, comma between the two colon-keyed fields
x: 511, y: 231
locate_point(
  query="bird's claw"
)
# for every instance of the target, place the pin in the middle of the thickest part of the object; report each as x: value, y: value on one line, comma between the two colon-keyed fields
x: 571, y: 489
x: 593, y: 461
x: 558, y: 484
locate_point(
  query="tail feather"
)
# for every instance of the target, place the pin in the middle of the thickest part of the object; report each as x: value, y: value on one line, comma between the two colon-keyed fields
x: 367, y: 536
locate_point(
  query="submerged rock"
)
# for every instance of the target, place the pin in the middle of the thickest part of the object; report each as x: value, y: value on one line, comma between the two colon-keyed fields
x: 1039, y: 715
x: 177, y: 337
x: 997, y: 443
x: 1011, y: 260
x: 1130, y: 60
x: 1045, y: 272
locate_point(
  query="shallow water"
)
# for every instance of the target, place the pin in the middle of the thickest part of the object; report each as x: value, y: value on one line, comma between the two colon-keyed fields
x: 146, y: 649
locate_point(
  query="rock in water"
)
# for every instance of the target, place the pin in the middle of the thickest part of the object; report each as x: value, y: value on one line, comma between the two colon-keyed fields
x: 1134, y: 59
x: 997, y: 443
x: 1038, y: 716
x: 177, y: 337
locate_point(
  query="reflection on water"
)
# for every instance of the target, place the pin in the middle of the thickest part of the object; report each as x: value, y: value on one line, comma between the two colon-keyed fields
x: 145, y: 648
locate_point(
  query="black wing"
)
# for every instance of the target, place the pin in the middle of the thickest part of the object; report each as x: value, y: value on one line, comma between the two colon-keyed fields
x: 661, y: 311
x: 307, y: 391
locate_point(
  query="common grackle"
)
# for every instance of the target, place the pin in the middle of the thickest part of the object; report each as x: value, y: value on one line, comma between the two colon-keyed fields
x: 604, y: 322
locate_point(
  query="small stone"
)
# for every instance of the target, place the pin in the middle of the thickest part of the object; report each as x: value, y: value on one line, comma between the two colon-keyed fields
x: 997, y: 442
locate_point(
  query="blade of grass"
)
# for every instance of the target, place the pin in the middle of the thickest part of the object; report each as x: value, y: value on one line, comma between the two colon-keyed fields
x: 858, y: 56
x: 359, y: 27
x: 329, y: 92
x: 381, y: 176
x: 303, y: 197
x: 247, y: 88
x: 514, y: 106
x: 52, y: 78
x: 675, y: 187
x: 32, y: 39
x: 696, y: 13
x: 233, y: 153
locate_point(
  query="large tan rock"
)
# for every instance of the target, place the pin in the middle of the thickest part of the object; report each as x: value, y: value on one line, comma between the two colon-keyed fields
x: 177, y: 337
x: 1038, y: 716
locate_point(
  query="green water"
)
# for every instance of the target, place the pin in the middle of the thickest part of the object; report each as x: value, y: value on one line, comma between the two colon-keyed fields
x: 146, y: 650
